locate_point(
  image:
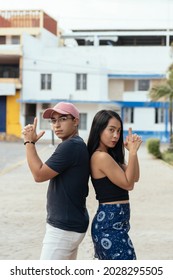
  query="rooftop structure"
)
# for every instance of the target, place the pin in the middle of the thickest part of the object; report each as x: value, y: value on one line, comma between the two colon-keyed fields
x: 27, y: 19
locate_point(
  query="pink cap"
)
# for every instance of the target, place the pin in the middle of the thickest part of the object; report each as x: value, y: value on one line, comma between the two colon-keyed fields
x: 63, y: 108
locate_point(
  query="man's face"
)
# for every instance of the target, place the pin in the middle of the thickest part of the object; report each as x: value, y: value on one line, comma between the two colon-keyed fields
x: 64, y: 126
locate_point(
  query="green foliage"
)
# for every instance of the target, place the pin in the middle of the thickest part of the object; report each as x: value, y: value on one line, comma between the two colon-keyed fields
x: 165, y: 91
x: 167, y: 156
x: 153, y: 147
x: 162, y: 90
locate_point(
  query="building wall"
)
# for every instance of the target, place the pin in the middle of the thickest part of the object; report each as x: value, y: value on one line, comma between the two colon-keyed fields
x: 13, y: 125
x: 44, y: 54
x: 63, y: 64
x: 97, y: 62
x: 116, y: 89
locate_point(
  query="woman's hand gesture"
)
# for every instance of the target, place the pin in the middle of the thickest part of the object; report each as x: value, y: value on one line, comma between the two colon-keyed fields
x: 132, y: 141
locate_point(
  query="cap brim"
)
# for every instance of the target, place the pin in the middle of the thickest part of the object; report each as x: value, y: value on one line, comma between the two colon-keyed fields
x: 48, y: 113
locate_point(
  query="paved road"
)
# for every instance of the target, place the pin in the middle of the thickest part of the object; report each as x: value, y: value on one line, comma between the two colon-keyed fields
x: 13, y: 153
x: 23, y: 213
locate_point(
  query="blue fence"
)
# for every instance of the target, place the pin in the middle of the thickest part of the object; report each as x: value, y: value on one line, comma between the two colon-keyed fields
x: 162, y: 135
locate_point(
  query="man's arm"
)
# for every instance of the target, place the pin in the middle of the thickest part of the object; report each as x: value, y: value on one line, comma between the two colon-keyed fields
x: 40, y: 171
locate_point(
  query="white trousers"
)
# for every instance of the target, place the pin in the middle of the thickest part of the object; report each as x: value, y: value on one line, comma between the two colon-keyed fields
x: 60, y: 244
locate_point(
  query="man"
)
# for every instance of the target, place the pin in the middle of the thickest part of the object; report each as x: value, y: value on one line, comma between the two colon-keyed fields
x: 68, y: 172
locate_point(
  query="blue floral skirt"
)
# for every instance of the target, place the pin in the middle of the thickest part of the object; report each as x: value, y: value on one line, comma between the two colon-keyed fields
x: 109, y: 231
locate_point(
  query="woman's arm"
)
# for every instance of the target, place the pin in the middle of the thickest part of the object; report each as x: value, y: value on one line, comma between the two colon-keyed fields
x: 126, y: 144
x: 137, y: 170
x: 102, y: 164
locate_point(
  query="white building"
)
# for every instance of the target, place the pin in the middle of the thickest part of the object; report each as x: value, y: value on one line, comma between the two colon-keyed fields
x: 98, y: 70
x: 108, y: 69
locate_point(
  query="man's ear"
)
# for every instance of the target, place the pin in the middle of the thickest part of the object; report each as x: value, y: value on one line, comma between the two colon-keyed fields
x: 76, y: 122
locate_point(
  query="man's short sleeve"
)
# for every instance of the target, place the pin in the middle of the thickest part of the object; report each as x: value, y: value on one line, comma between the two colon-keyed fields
x: 63, y: 157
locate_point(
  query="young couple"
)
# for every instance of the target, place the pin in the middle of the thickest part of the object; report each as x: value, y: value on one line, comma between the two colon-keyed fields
x: 68, y: 170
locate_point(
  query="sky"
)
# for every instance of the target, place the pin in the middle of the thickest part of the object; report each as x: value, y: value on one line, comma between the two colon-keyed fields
x: 99, y: 14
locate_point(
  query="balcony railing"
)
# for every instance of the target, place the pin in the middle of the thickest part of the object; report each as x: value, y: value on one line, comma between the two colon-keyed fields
x: 9, y: 72
x: 27, y: 19
x: 19, y: 18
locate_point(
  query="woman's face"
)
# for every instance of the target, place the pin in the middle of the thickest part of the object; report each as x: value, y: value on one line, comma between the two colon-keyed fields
x: 111, y: 134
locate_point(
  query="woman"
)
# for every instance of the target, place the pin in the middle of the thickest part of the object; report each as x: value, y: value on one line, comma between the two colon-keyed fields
x: 112, y: 180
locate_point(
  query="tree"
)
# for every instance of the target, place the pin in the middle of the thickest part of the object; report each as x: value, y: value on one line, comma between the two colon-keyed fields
x: 165, y: 91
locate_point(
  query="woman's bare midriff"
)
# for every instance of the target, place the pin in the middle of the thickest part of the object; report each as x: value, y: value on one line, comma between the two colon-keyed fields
x: 116, y: 202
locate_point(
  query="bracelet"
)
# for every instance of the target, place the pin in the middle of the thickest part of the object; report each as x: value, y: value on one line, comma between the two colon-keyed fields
x: 31, y: 142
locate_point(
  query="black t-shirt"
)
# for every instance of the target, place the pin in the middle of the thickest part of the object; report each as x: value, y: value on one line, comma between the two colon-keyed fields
x: 67, y: 192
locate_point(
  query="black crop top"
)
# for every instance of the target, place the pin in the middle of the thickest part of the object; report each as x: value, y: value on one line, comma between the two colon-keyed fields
x: 106, y: 191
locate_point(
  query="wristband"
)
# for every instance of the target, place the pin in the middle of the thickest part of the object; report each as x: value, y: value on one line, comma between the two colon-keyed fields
x: 31, y: 142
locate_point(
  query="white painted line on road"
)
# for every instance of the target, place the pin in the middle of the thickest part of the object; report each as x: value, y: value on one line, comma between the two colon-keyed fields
x: 16, y: 165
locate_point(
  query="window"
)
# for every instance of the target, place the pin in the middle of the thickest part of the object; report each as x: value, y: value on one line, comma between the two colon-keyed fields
x: 44, y: 123
x: 129, y: 115
x: 46, y: 81
x: 9, y: 71
x: 15, y: 40
x: 81, y: 81
x: 159, y: 115
x: 83, y: 121
x: 2, y: 40
x: 45, y: 106
x: 30, y: 113
x: 143, y: 85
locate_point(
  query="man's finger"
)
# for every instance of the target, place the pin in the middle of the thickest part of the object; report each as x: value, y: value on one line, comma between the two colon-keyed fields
x: 35, y: 123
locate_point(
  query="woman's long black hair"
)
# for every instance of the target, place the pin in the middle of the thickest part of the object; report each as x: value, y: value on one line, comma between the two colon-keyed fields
x: 99, y: 123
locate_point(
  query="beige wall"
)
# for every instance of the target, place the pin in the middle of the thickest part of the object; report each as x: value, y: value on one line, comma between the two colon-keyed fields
x: 116, y: 89
x: 129, y: 85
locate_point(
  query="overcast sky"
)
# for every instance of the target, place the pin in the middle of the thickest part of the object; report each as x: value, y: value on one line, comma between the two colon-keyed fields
x: 99, y: 14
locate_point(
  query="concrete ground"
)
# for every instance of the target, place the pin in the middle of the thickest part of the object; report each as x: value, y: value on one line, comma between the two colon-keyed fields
x: 23, y: 207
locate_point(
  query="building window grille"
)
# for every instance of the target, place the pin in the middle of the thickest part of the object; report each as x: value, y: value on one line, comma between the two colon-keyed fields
x: 159, y: 115
x: 9, y: 71
x: 83, y: 121
x: 15, y: 40
x: 46, y: 81
x: 143, y: 85
x: 128, y: 115
x: 81, y: 81
x: 2, y: 40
